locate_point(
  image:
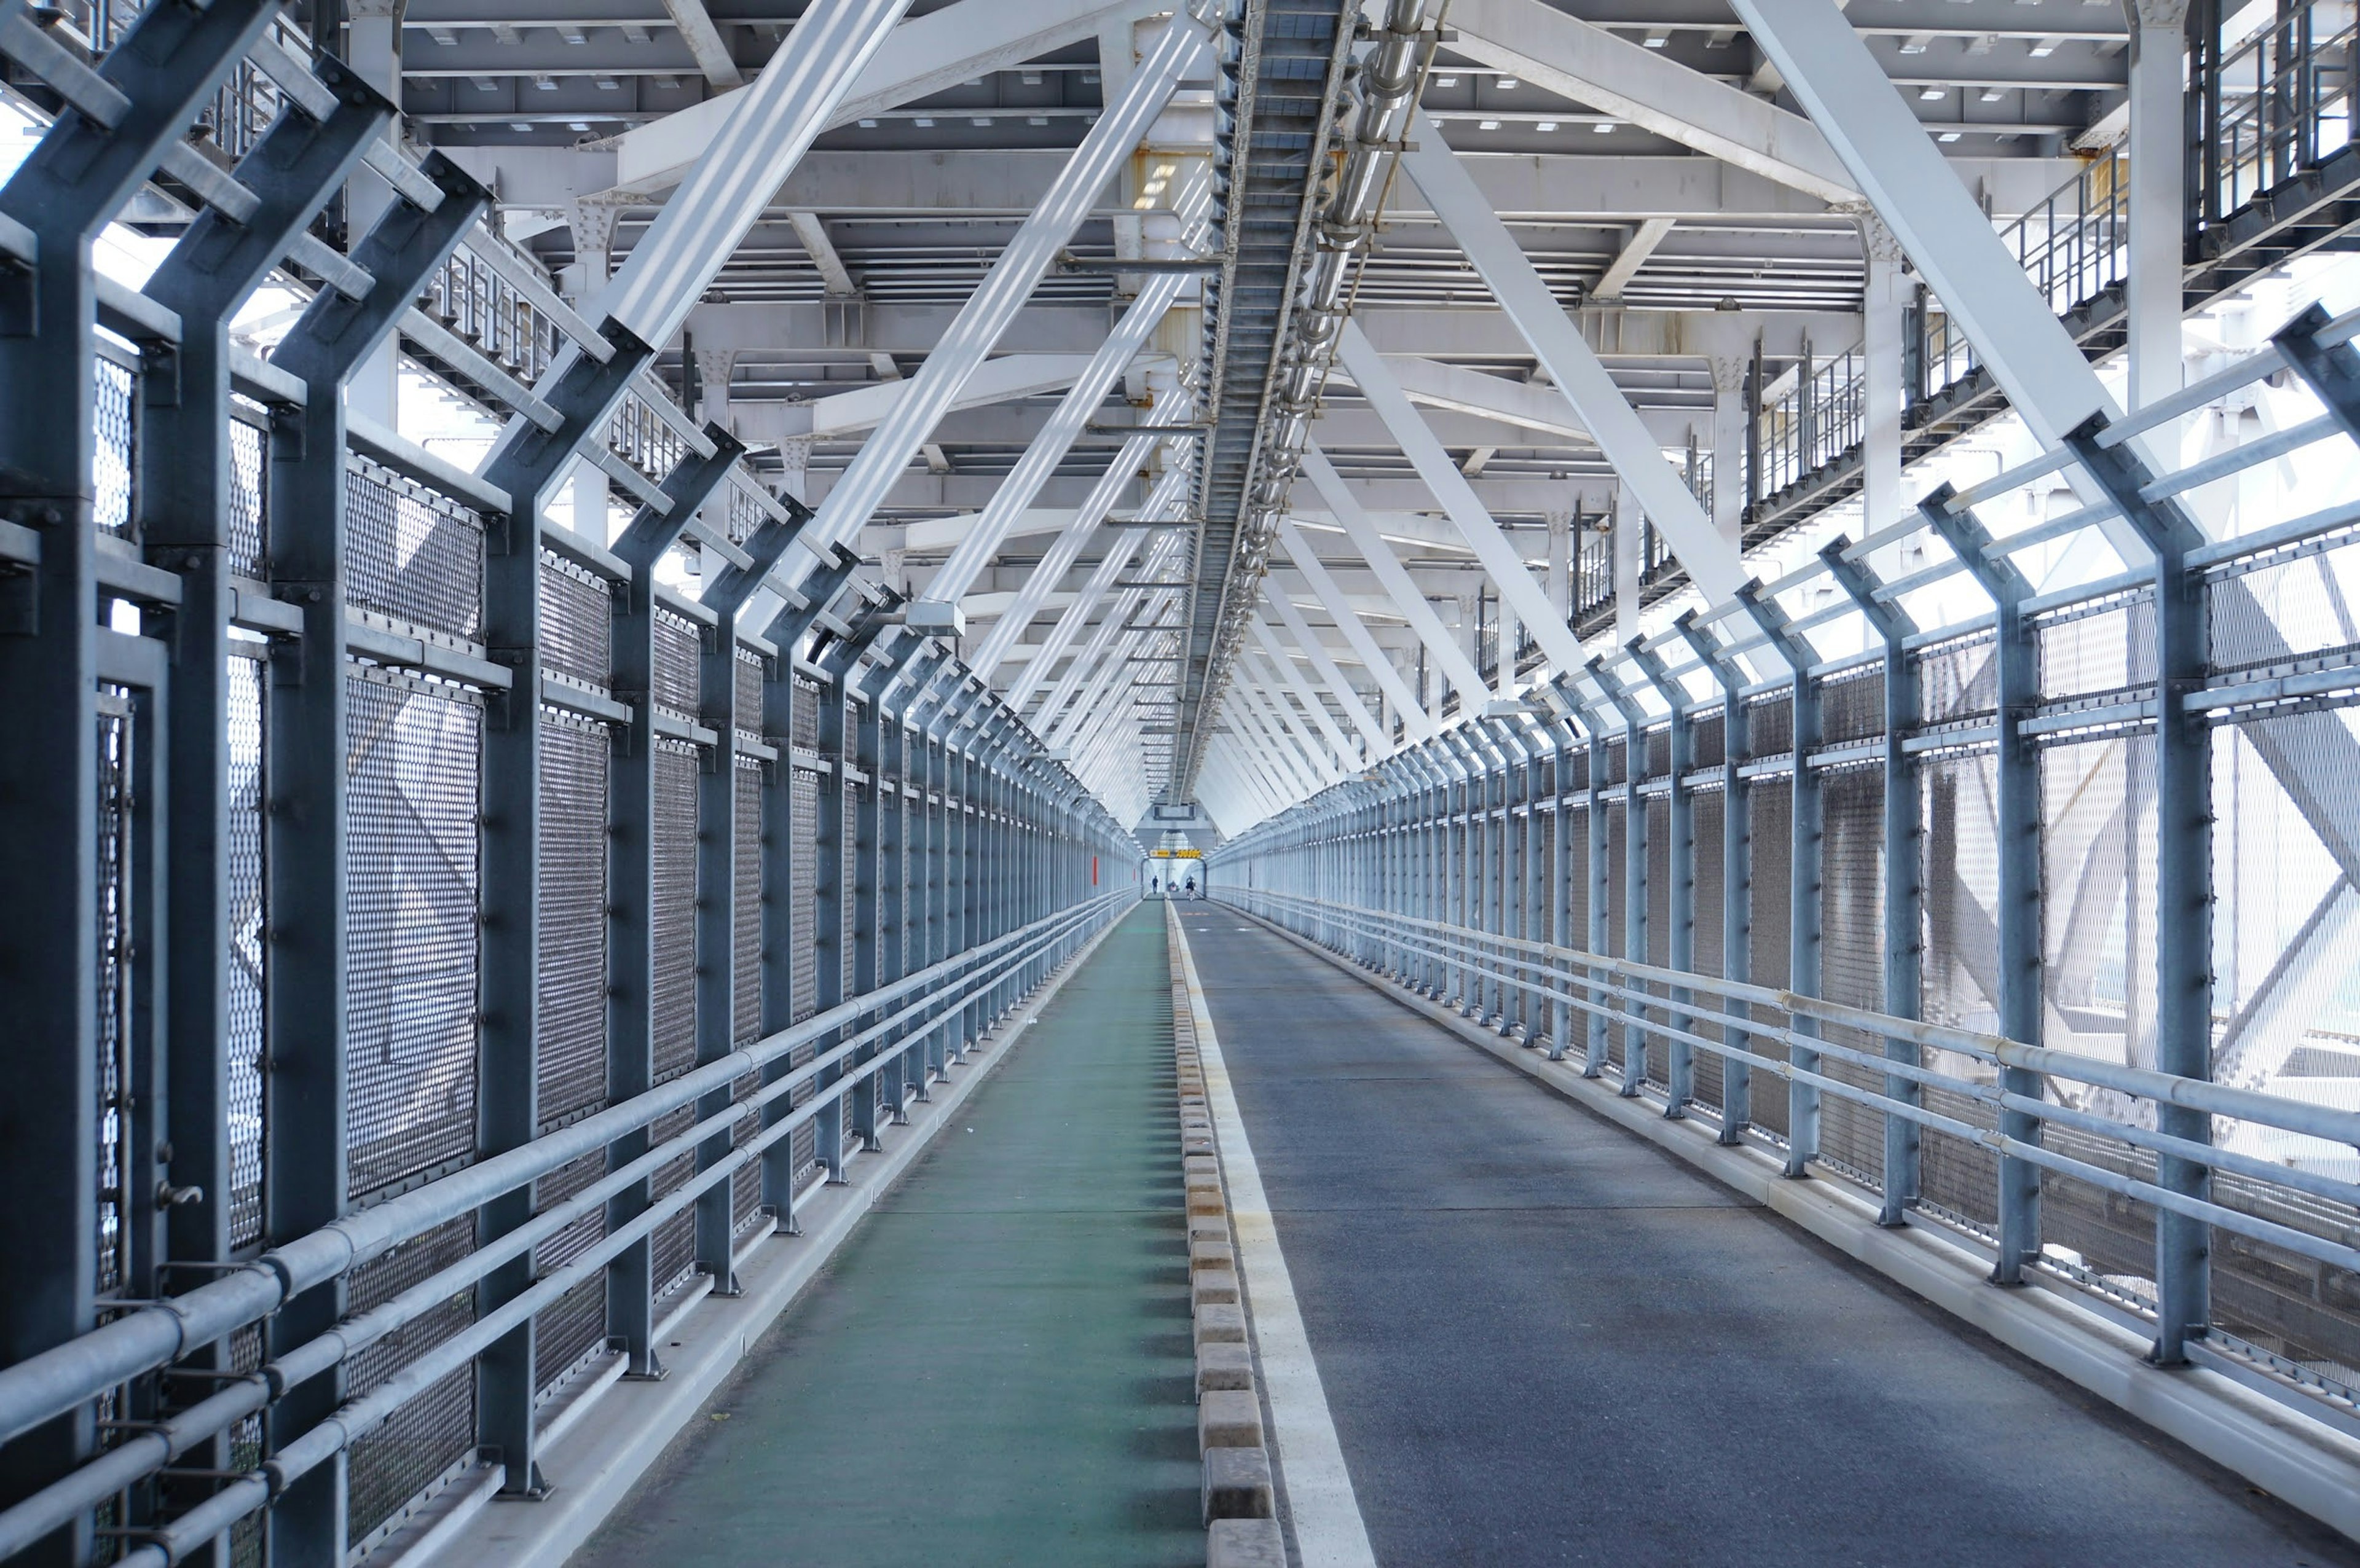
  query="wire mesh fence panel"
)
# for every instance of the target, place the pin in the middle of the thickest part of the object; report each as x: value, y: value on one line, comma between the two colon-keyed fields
x: 746, y: 903
x: 677, y: 657
x: 248, y: 477
x: 1770, y: 825
x: 577, y: 621
x: 1956, y: 679
x: 1707, y: 806
x: 411, y: 553
x: 412, y: 882
x: 1709, y: 739
x: 434, y: 1431
x: 1659, y: 918
x: 673, y: 1247
x: 849, y: 911
x: 1852, y: 707
x: 2098, y: 651
x: 804, y: 721
x: 248, y: 954
x: 1618, y: 906
x: 116, y: 899
x: 673, y: 847
x: 1769, y: 726
x: 572, y: 1056
x: 115, y: 460
x: 569, y: 1330
x: 2292, y: 604
x: 1959, y: 972
x: 2280, y: 1302
x: 1851, y: 905
x: 803, y: 806
x: 747, y: 698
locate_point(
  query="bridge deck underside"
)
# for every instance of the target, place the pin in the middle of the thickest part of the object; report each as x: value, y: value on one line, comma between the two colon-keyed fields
x: 1544, y: 1339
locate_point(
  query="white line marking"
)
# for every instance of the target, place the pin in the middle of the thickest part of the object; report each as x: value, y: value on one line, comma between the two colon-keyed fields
x: 1328, y: 1530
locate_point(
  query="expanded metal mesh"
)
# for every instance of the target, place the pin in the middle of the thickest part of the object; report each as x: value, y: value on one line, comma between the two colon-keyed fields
x: 748, y: 699
x: 576, y: 1324
x: 411, y: 552
x: 745, y: 905
x: 1707, y: 806
x: 412, y: 881
x: 248, y: 473
x: 577, y: 621
x: 2098, y: 651
x: 677, y: 655
x: 1618, y: 903
x: 433, y: 1431
x: 673, y: 1031
x: 806, y: 718
x: 248, y: 920
x: 1956, y: 679
x: 1852, y: 707
x: 1660, y: 920
x: 803, y: 806
x: 2294, y: 603
x: 117, y: 785
x: 1851, y: 949
x: 1769, y: 726
x: 115, y: 466
x: 1709, y: 737
x: 1770, y: 827
x: 572, y: 1060
x: 1959, y: 983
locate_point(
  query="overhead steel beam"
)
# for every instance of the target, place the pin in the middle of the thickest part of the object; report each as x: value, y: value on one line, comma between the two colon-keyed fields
x: 1166, y: 494
x: 1580, y: 60
x: 1418, y: 723
x: 1712, y: 560
x: 811, y: 234
x: 1448, y: 657
x: 1635, y: 251
x: 939, y: 604
x: 705, y: 43
x: 923, y: 56
x: 1012, y: 277
x: 1516, y: 583
x: 1283, y: 663
x: 1315, y: 650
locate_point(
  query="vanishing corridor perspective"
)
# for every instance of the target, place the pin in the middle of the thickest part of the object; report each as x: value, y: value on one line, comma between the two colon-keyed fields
x: 1282, y: 783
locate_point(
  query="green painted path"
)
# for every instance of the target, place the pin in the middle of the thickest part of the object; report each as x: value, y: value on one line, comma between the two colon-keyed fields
x: 996, y: 1369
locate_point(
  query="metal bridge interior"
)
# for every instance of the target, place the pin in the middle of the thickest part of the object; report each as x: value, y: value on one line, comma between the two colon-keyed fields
x: 590, y: 598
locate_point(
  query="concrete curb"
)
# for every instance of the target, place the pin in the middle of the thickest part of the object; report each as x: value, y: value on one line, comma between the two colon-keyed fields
x: 1238, y: 1495
x: 594, y: 1465
x: 2303, y: 1462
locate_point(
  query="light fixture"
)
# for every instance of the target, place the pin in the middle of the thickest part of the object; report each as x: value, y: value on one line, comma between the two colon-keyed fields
x: 1487, y: 125
x: 1948, y: 136
x: 1509, y: 84
x: 925, y: 122
x: 1932, y: 94
x: 1546, y: 126
x: 1603, y: 127
x: 867, y: 124
x: 1446, y: 82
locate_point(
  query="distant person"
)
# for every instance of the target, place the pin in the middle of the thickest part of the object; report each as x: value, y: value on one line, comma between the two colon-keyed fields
x: 1192, y: 887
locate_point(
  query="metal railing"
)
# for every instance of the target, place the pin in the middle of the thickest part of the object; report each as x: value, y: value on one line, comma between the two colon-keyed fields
x: 1928, y: 887
x: 2276, y: 104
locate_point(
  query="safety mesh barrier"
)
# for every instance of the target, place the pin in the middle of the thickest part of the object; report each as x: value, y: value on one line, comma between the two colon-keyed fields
x: 566, y: 1334
x: 1770, y: 805
x: 114, y: 466
x: 576, y: 621
x: 674, y: 1033
x: 411, y: 553
x: 804, y: 806
x: 412, y: 883
x: 246, y: 693
x: 572, y: 1056
x: 1708, y: 807
x: 113, y: 1071
x: 677, y: 657
x: 1852, y: 898
x: 434, y: 1431
x: 248, y: 496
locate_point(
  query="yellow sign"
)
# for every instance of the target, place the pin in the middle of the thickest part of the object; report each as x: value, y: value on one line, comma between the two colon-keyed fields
x: 1177, y: 853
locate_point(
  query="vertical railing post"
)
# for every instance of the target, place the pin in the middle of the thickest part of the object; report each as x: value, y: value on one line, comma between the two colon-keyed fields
x: 2183, y: 891
x: 1635, y: 864
x: 306, y: 751
x: 1736, y: 872
x: 2017, y: 811
x: 1679, y: 870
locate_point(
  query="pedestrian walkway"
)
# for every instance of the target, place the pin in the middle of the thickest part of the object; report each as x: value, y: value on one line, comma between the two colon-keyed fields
x: 997, y: 1368
x: 1544, y: 1339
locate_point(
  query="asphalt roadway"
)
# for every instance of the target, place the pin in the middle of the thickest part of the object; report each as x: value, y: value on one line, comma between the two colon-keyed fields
x: 1544, y: 1340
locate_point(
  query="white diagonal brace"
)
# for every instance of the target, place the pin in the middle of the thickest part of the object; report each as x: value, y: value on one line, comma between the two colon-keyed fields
x: 1516, y: 582
x: 1014, y: 276
x: 1712, y: 560
x: 1166, y: 494
x: 1634, y: 256
x: 1272, y: 689
x: 1001, y: 380
x: 1014, y: 621
x: 811, y: 234
x: 1315, y: 650
x: 1583, y: 62
x: 1303, y: 774
x: 1304, y: 696
x: 704, y: 40
x: 1418, y: 723
x: 1055, y: 438
x: 1448, y: 657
